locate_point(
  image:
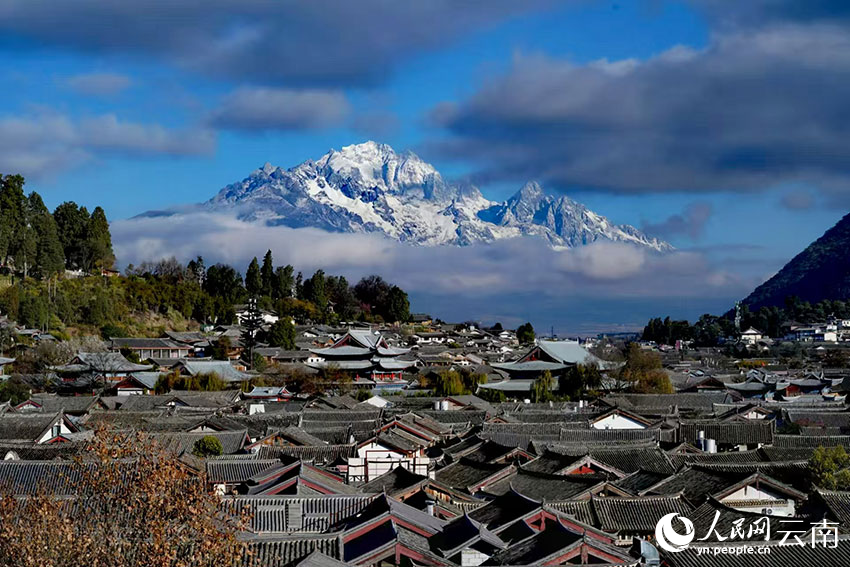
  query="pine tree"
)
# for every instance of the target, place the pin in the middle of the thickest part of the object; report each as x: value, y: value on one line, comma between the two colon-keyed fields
x: 196, y: 270
x: 398, y: 305
x: 282, y: 334
x: 98, y: 246
x: 72, y: 223
x: 252, y: 323
x: 299, y: 286
x: 12, y: 216
x: 253, y: 281
x: 49, y: 256
x: 267, y: 274
x: 314, y: 291
x: 283, y: 282
x: 525, y: 334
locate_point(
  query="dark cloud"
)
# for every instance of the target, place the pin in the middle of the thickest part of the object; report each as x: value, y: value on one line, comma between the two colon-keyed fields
x: 757, y: 13
x: 281, y: 109
x: 798, y: 200
x: 273, y: 42
x: 690, y: 222
x: 99, y: 84
x: 46, y: 143
x: 751, y: 110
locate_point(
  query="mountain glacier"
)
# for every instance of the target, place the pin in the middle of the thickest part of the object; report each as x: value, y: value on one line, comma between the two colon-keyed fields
x: 369, y: 187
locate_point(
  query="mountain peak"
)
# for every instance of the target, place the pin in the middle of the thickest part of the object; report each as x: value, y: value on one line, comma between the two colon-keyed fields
x: 369, y: 187
x: 530, y: 191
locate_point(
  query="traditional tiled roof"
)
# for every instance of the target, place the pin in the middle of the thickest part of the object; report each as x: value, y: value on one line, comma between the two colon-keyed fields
x: 624, y: 458
x: 221, y: 368
x: 753, y: 456
x: 145, y: 343
x: 51, y: 478
x: 109, y: 362
x: 281, y: 550
x: 237, y: 470
x: 317, y: 513
x: 639, y: 481
x: 318, y: 454
x: 695, y: 483
x: 635, y: 515
x: 504, y: 510
x: 837, y: 502
x: 397, y: 480
x: 183, y: 442
x: 464, y: 532
x: 698, y: 402
x: 729, y: 432
x: 463, y: 475
x: 26, y: 427
x: 40, y: 451
x: 548, y: 487
x: 812, y: 441
x: 52, y: 403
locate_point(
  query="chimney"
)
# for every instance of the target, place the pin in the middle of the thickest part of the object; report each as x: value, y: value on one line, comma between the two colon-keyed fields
x: 430, y: 506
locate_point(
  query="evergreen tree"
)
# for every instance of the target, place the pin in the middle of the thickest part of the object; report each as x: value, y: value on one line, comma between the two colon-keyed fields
x: 12, y: 216
x: 345, y: 304
x: 299, y: 286
x: 372, y: 291
x: 398, y: 305
x: 49, y: 256
x: 26, y: 243
x: 72, y: 224
x: 252, y: 323
x: 314, y: 291
x: 98, y: 244
x: 525, y: 334
x: 267, y: 274
x: 196, y: 270
x: 283, y: 282
x: 282, y: 334
x: 222, y: 281
x: 253, y: 282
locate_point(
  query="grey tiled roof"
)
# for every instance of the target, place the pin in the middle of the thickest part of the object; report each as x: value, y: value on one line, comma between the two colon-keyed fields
x: 636, y: 515
x: 318, y: 454
x: 730, y: 432
x: 237, y: 470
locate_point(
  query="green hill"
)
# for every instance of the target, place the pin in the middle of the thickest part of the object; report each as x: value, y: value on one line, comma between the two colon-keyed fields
x: 821, y: 271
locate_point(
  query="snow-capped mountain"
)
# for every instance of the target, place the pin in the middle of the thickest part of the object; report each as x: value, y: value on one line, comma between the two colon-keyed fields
x: 369, y: 187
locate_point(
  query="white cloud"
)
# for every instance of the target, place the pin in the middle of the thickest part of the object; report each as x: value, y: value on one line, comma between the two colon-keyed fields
x: 99, y: 84
x: 600, y: 270
x: 250, y: 108
x: 45, y: 143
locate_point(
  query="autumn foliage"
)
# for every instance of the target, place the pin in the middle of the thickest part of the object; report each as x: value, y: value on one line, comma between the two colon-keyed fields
x: 126, y: 502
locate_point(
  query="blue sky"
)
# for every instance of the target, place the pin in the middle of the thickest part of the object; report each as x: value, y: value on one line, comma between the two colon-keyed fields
x: 698, y: 112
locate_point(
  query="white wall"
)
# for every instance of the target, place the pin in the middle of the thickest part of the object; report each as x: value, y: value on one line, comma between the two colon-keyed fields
x: 617, y: 421
x: 752, y: 499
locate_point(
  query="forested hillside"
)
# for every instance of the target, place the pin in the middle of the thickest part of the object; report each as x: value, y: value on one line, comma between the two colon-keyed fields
x: 820, y: 272
x: 37, y: 243
x: 37, y: 247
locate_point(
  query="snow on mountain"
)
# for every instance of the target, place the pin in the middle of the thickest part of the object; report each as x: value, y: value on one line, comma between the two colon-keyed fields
x: 369, y: 187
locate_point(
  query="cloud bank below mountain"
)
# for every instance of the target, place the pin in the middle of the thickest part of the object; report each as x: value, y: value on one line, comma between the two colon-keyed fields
x: 601, y: 284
